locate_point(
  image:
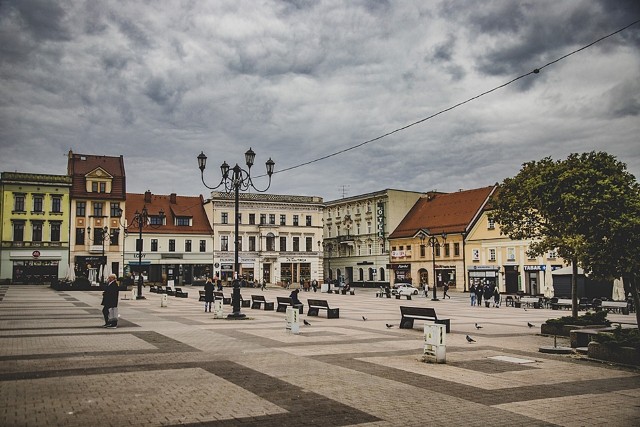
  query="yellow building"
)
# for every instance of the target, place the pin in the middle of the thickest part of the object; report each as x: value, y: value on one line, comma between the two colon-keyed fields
x: 495, y: 259
x: 34, y: 227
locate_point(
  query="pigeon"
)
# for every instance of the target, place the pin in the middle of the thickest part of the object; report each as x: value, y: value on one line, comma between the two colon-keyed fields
x: 364, y: 318
x: 529, y: 324
x: 470, y: 340
x: 478, y: 326
x: 389, y: 326
x: 306, y: 323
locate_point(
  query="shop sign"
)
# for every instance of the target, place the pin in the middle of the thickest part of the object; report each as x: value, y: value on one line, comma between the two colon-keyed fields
x: 401, y: 266
x: 535, y: 268
x: 228, y: 267
x: 380, y: 217
x: 295, y: 259
x: 397, y: 254
x: 35, y: 254
x: 483, y: 267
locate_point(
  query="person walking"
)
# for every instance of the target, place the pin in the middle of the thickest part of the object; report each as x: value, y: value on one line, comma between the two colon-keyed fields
x: 445, y: 288
x: 496, y: 297
x: 264, y: 285
x: 314, y: 285
x: 479, y: 294
x: 208, y: 295
x: 488, y: 293
x: 472, y: 294
x: 110, y: 302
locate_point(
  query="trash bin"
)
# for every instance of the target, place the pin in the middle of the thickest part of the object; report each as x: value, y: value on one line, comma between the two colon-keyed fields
x: 217, y: 309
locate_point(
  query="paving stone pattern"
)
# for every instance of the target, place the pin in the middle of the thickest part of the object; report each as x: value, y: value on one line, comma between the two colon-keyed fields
x: 177, y: 365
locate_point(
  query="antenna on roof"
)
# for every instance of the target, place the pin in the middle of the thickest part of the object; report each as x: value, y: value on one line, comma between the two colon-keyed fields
x: 344, y: 189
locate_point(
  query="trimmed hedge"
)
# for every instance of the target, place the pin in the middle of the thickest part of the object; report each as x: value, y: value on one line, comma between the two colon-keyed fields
x: 587, y: 319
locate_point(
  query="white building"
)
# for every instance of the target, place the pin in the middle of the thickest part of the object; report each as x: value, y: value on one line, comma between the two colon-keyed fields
x: 279, y: 238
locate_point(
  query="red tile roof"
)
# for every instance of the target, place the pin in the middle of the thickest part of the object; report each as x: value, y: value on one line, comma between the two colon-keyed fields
x: 173, y: 206
x: 437, y: 213
x: 80, y: 165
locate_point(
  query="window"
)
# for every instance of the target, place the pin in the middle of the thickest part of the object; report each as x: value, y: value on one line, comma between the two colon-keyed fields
x: 271, y: 242
x: 283, y: 244
x: 308, y: 220
x: 224, y: 243
x: 18, y: 203
x: 368, y: 227
x: 552, y: 254
x: 183, y: 221
x: 94, y: 187
x: 139, y: 245
x: 491, y: 223
x: 187, y: 245
x: 358, y: 227
x: 203, y: 245
x: 511, y: 254
x: 239, y: 244
x: 81, y: 208
x: 172, y: 245
x: 492, y: 254
x: 36, y: 231
x: 97, y: 208
x: 283, y: 220
x: 252, y: 219
x: 252, y: 243
x: 295, y: 220
x: 239, y: 217
x: 115, y: 209
x: 154, y: 245
x: 456, y: 249
x: 475, y: 254
x: 56, y: 204
x: 272, y: 219
x: 296, y: 244
x: 18, y: 231
x: 370, y: 249
x: 423, y: 251
x: 447, y: 250
x: 37, y: 203
x: 114, y: 237
x: 156, y: 220
x: 79, y: 236
x: 263, y: 219
x: 309, y: 244
x: 103, y: 187
x: 225, y: 217
x: 437, y: 249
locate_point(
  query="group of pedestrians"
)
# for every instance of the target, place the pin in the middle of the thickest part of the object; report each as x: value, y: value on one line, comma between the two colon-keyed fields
x: 477, y: 291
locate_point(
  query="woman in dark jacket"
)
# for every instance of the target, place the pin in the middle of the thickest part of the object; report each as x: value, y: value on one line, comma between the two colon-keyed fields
x: 208, y: 294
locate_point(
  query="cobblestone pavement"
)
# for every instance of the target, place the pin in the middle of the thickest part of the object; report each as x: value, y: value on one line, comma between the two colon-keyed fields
x: 178, y: 365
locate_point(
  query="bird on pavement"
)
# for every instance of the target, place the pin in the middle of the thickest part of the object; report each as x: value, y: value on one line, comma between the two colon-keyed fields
x: 529, y: 324
x: 364, y: 318
x: 470, y: 340
x: 478, y: 326
x: 305, y: 322
x: 389, y: 326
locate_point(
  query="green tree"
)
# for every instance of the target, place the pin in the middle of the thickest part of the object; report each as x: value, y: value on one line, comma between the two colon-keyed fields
x: 586, y: 207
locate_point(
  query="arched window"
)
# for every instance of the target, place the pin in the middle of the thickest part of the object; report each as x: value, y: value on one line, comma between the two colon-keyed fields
x: 361, y: 274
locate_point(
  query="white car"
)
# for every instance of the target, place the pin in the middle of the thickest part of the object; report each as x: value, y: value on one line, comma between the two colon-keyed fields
x: 404, y: 289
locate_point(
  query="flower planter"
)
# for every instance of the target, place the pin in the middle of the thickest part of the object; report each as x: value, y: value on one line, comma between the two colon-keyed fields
x: 564, y: 330
x: 625, y: 355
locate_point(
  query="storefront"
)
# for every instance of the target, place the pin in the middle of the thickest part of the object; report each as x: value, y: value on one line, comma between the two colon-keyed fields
x: 512, y: 279
x: 446, y: 274
x: 402, y: 273
x: 481, y: 275
x: 293, y: 272
x: 91, y: 267
x: 534, y: 278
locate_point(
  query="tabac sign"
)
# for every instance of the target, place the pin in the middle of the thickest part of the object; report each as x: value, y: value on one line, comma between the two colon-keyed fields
x: 380, y: 217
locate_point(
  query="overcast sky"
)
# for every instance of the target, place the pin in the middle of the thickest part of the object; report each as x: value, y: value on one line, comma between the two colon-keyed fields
x: 160, y: 81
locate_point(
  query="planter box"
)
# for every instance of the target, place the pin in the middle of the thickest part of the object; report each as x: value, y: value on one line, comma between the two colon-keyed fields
x: 564, y: 330
x: 625, y: 355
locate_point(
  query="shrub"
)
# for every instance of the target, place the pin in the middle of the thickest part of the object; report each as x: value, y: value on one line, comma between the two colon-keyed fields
x: 620, y: 338
x: 589, y: 318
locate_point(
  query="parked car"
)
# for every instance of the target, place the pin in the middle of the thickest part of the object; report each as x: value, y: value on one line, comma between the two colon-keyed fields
x: 404, y: 289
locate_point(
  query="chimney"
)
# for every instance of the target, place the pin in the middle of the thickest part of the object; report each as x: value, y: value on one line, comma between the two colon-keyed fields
x: 147, y: 196
x: 172, y: 198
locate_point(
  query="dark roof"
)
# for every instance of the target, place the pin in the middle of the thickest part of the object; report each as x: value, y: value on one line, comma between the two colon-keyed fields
x: 79, y: 165
x: 173, y: 206
x: 437, y: 213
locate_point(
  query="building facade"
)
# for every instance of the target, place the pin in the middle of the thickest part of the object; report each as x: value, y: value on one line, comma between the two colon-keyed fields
x: 356, y: 231
x: 494, y: 259
x: 176, y: 247
x: 98, y: 193
x: 34, y: 227
x: 279, y: 238
x: 428, y: 246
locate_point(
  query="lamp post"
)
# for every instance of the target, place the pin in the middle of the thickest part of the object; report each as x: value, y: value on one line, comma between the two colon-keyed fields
x: 433, y: 242
x: 105, y: 232
x: 234, y: 180
x: 140, y: 220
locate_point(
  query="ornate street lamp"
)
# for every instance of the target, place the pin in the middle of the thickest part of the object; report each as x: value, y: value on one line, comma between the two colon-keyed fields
x: 234, y: 180
x: 433, y: 242
x: 104, y: 233
x: 139, y: 221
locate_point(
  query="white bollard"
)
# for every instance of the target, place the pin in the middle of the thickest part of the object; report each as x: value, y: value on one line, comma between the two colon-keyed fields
x: 217, y: 309
x: 292, y: 318
x: 163, y: 300
x: 134, y: 293
x: 435, y: 348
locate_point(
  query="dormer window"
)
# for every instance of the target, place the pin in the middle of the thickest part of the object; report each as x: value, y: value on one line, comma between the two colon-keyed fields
x: 156, y: 220
x: 183, y: 221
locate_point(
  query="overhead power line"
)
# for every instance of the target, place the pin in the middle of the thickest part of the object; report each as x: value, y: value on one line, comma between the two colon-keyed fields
x: 534, y: 71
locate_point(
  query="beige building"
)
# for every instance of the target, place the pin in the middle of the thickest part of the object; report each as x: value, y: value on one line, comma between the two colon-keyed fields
x: 279, y: 239
x: 356, y: 231
x: 495, y: 259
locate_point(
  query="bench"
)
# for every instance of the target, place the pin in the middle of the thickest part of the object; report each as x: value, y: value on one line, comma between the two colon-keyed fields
x: 244, y: 302
x: 617, y: 306
x: 410, y: 314
x: 508, y: 301
x: 284, y: 302
x: 201, y: 298
x: 170, y: 291
x: 315, y: 305
x: 179, y: 293
x: 534, y: 302
x: 404, y: 294
x: 258, y: 300
x: 582, y: 337
x: 161, y: 290
x: 350, y: 292
x: 153, y: 289
x: 220, y: 295
x: 557, y: 303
